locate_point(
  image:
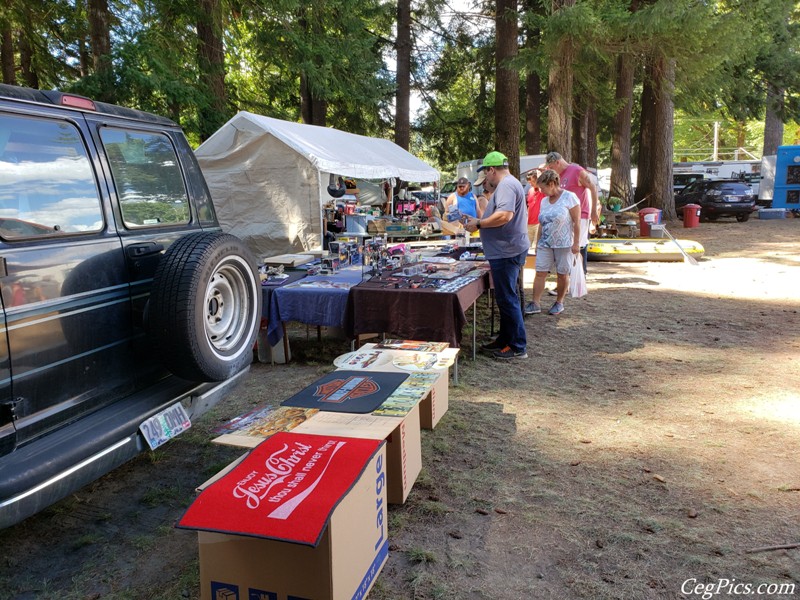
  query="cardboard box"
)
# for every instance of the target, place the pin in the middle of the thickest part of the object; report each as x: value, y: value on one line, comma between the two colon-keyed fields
x: 433, y: 407
x: 403, y: 443
x: 344, y: 564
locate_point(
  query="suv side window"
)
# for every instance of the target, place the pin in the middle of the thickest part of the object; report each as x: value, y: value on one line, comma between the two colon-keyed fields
x: 47, y: 185
x: 147, y: 177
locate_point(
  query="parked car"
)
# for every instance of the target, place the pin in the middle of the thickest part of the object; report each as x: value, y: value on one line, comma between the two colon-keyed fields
x: 681, y: 180
x: 718, y: 198
x: 447, y: 189
x: 424, y: 198
x: 126, y: 311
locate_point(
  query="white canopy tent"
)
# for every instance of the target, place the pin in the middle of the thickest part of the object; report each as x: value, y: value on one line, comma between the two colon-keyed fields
x: 269, y: 178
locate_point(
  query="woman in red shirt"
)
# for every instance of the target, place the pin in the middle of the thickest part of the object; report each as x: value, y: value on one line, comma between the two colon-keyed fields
x: 535, y: 196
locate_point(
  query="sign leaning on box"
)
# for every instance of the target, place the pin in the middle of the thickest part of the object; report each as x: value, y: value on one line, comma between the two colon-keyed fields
x: 300, y: 516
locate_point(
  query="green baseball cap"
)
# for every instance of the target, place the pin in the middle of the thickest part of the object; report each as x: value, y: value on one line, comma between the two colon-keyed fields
x: 494, y: 159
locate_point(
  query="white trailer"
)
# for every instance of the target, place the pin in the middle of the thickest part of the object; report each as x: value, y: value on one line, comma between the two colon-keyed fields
x: 469, y: 168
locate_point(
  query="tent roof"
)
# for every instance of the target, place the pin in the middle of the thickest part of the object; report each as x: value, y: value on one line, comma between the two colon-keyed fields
x: 338, y: 152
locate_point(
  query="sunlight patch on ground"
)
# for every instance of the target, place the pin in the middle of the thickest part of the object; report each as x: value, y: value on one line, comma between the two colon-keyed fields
x: 740, y: 278
x: 783, y: 408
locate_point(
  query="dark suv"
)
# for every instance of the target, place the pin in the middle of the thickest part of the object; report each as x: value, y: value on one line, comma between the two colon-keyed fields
x: 126, y: 311
x: 718, y: 198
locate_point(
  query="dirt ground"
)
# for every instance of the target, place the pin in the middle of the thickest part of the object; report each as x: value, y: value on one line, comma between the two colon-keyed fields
x: 645, y: 449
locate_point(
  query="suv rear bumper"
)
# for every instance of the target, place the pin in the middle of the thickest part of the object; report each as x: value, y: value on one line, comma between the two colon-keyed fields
x: 728, y: 209
x: 49, y: 469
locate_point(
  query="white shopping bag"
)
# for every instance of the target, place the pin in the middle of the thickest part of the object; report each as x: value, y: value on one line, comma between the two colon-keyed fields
x: 577, y: 278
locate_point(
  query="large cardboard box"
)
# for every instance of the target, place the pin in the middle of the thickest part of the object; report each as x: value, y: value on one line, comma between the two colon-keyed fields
x: 403, y: 443
x: 344, y: 564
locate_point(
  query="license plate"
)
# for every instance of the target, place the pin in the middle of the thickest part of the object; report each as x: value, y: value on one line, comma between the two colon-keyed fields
x: 164, y: 426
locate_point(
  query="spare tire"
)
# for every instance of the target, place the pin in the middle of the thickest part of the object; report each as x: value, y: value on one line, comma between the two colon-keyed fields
x: 205, y: 307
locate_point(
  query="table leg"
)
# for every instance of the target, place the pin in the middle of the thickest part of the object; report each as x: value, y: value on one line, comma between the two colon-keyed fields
x: 491, y: 300
x: 455, y: 371
x: 285, y: 345
x: 474, y: 327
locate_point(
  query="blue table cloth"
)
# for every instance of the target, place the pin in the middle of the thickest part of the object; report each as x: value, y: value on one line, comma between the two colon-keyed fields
x: 314, y: 300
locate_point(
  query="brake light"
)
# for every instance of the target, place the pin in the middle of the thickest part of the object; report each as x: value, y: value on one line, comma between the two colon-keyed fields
x: 77, y: 102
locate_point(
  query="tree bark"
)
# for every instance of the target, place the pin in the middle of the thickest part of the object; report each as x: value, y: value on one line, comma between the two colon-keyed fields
x: 559, y: 89
x: 773, y: 122
x: 29, y: 75
x: 580, y: 125
x: 211, y: 67
x: 663, y: 194
x: 100, y: 40
x: 646, y: 127
x: 402, y: 115
x: 661, y: 137
x: 533, y: 114
x: 591, y: 136
x: 621, y: 185
x: 7, y: 54
x: 507, y: 95
x: 313, y: 111
x: 533, y: 91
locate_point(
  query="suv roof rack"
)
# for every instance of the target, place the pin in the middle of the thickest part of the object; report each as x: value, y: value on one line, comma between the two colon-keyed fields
x: 78, y: 102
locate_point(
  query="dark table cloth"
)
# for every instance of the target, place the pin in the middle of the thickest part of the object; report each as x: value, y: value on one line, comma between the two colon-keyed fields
x: 416, y: 314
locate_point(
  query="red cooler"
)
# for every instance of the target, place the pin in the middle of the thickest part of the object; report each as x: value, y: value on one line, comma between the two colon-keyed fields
x: 647, y: 217
x: 691, y: 215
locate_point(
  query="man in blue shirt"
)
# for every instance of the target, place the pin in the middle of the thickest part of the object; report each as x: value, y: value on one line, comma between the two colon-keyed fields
x: 504, y: 235
x: 463, y: 199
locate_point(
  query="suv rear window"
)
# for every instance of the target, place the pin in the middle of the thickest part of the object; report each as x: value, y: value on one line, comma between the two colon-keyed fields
x: 47, y: 186
x: 147, y: 177
x: 735, y: 188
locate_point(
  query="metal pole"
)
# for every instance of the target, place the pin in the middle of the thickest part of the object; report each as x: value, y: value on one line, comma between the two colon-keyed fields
x: 716, y: 141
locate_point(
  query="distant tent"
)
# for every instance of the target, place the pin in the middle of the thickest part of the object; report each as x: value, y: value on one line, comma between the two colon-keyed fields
x: 269, y: 178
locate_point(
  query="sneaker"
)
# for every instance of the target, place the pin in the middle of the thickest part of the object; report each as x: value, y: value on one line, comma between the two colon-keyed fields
x: 507, y: 353
x: 531, y: 308
x: 493, y: 345
x: 556, y: 309
x: 552, y: 292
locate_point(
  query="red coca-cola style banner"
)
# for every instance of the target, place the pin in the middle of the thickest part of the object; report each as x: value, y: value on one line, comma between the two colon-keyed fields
x: 286, y: 488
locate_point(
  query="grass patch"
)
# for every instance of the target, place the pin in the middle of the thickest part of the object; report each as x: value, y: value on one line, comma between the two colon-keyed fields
x: 421, y: 556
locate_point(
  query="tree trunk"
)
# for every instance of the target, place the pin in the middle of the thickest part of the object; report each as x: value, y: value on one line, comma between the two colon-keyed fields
x: 533, y: 91
x: 507, y: 95
x: 559, y: 89
x: 29, y: 76
x: 580, y: 124
x: 313, y: 111
x: 591, y: 136
x: 211, y: 68
x: 402, y: 115
x: 7, y: 54
x: 773, y: 123
x: 621, y: 185
x: 533, y: 114
x: 662, y: 195
x: 84, y: 58
x: 646, y: 127
x: 100, y: 40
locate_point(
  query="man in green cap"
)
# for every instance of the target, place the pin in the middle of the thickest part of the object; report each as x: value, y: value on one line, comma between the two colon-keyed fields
x: 504, y: 235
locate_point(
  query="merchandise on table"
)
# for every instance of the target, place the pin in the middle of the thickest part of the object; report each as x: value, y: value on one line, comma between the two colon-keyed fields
x: 413, y: 345
x: 264, y: 421
x: 348, y: 391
